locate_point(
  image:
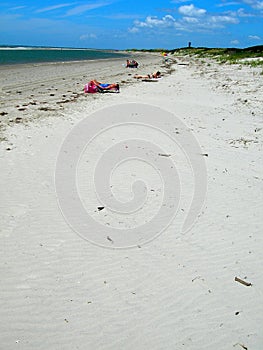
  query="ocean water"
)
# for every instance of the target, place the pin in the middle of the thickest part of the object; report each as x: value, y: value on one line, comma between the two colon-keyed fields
x: 35, y: 55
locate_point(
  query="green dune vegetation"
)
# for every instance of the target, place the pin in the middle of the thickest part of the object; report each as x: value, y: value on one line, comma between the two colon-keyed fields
x: 252, y: 56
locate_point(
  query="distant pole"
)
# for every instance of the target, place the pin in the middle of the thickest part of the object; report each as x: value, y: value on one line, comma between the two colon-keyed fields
x: 189, y: 44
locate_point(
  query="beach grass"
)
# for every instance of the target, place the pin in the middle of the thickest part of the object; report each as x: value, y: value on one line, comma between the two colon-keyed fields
x: 252, y: 56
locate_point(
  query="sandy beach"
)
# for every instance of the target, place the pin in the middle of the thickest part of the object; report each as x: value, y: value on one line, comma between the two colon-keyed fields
x: 173, y: 289
x: 32, y: 91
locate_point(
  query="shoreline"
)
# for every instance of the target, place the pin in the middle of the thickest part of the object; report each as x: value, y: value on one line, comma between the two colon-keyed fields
x: 47, y: 63
x: 17, y: 56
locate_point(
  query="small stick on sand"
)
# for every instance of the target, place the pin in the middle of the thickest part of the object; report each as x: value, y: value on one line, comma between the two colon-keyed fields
x: 243, y: 346
x: 164, y: 155
x: 248, y: 284
x: 109, y: 239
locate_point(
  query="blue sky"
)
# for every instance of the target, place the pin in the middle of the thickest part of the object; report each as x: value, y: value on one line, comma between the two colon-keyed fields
x: 118, y: 24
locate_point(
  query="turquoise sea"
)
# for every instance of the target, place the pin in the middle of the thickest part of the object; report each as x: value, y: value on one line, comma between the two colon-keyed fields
x: 37, y: 55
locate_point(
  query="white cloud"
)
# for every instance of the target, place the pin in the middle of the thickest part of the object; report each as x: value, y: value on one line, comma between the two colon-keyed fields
x: 254, y: 37
x: 234, y: 42
x: 88, y: 36
x: 78, y: 10
x: 17, y: 8
x: 123, y: 16
x: 194, y: 19
x: 55, y: 7
x: 228, y: 3
x: 191, y: 10
x: 255, y: 4
x: 150, y: 22
x: 133, y: 30
x: 221, y: 20
x: 179, y: 1
x: 241, y: 13
x: 190, y: 19
x: 224, y: 19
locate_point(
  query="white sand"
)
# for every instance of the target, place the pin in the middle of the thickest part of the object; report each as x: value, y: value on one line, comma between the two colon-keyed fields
x: 59, y: 291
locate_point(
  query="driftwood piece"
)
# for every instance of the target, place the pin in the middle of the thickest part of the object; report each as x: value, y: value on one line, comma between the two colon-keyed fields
x: 242, y: 346
x: 247, y: 284
x: 164, y: 155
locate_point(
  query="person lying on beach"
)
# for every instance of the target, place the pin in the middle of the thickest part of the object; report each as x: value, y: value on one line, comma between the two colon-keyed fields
x: 105, y: 86
x: 131, y: 64
x: 154, y: 75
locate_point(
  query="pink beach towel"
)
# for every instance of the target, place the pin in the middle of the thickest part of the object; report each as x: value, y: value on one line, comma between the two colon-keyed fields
x: 90, y: 88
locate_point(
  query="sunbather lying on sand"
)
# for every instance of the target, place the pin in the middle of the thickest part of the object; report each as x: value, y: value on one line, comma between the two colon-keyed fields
x: 105, y: 86
x: 131, y: 64
x: 155, y: 75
